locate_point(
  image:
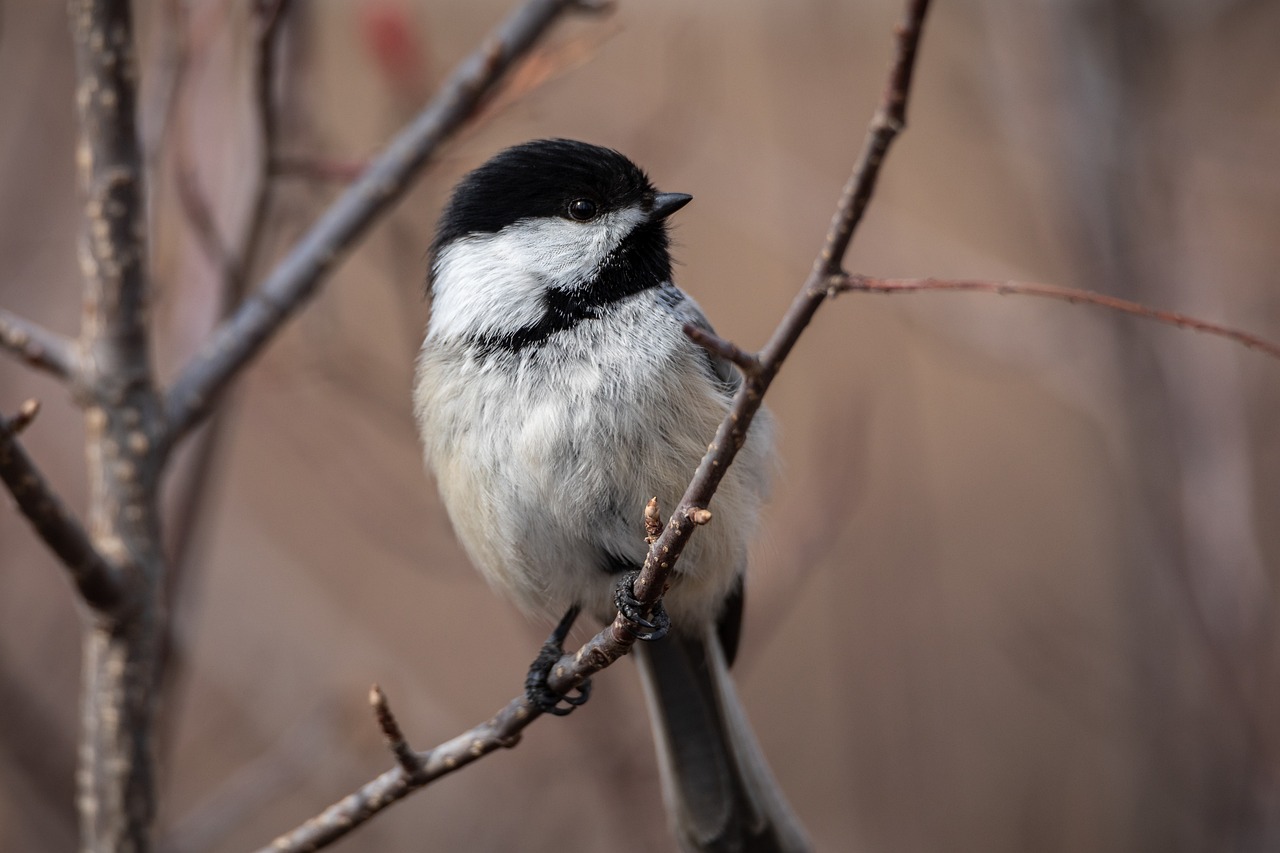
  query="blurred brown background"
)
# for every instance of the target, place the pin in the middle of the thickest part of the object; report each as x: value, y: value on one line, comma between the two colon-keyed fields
x: 1015, y: 590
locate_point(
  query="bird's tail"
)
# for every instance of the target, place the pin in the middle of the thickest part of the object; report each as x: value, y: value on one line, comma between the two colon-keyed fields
x: 719, y: 792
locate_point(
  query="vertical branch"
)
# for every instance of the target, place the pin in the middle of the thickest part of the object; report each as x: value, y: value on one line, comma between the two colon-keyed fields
x: 235, y: 265
x: 116, y: 792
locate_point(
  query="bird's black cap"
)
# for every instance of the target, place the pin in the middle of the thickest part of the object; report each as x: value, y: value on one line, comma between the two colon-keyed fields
x: 541, y: 178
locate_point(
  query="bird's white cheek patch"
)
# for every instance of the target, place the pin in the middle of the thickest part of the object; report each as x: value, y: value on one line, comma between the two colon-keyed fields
x: 492, y: 284
x: 481, y: 289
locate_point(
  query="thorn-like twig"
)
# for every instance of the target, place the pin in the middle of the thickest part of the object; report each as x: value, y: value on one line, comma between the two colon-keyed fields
x: 405, y: 756
x: 850, y: 282
x: 38, y: 346
x: 716, y: 345
x: 26, y: 414
x: 652, y: 521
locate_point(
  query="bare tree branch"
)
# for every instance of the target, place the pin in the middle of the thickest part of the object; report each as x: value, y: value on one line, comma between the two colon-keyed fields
x: 610, y: 644
x: 38, y: 346
x: 415, y: 770
x: 268, y: 19
x: 888, y: 121
x: 116, y: 785
x: 234, y: 267
x: 394, y: 735
x: 745, y: 361
x: 95, y: 579
x: 296, y: 278
x: 843, y: 282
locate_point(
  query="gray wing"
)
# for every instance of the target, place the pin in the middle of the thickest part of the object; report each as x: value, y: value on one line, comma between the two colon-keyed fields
x: 719, y: 370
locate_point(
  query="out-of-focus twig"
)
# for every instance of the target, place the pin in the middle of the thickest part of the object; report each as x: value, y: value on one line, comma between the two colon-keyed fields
x: 95, y: 579
x: 844, y: 282
x: 326, y: 169
x: 234, y: 267
x: 296, y: 278
x: 165, y: 78
x: 38, y: 346
x: 268, y: 20
x: 616, y: 639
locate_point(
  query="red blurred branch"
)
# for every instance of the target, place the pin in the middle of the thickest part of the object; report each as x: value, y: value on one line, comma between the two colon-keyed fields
x: 846, y: 282
x: 319, y: 168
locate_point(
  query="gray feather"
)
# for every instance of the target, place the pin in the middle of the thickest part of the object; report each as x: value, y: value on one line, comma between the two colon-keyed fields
x: 719, y: 792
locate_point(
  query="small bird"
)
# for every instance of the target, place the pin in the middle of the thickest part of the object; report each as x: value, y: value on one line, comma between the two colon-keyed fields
x: 556, y: 393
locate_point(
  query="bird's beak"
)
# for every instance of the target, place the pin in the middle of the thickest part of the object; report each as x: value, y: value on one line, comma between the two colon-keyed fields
x: 665, y: 204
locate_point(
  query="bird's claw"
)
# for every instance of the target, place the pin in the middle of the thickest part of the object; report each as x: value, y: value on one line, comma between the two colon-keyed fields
x: 658, y: 622
x: 536, y: 688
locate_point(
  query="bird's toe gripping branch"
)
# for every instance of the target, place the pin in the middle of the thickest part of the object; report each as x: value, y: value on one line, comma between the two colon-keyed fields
x: 536, y: 688
x: 654, y: 624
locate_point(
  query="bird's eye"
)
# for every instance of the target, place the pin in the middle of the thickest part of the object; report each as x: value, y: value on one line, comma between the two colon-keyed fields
x: 582, y: 209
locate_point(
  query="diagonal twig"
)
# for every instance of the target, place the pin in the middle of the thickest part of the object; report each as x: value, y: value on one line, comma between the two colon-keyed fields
x: 502, y: 731
x: 745, y: 361
x: 38, y: 346
x: 616, y: 639
x: 853, y: 282
x: 886, y: 124
x: 296, y: 278
x: 94, y: 577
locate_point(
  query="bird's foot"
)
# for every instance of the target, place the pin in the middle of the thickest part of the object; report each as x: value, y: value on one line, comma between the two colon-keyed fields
x: 536, y: 688
x: 656, y: 625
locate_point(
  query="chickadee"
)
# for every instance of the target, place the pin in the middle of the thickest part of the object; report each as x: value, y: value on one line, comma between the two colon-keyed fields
x: 556, y: 393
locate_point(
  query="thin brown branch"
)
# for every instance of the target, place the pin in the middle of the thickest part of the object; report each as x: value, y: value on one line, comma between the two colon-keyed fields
x: 886, y: 124
x: 296, y: 278
x: 727, y: 350
x: 38, y: 347
x: 846, y: 282
x: 94, y: 578
x: 391, y: 731
x: 500, y: 732
x: 615, y: 641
